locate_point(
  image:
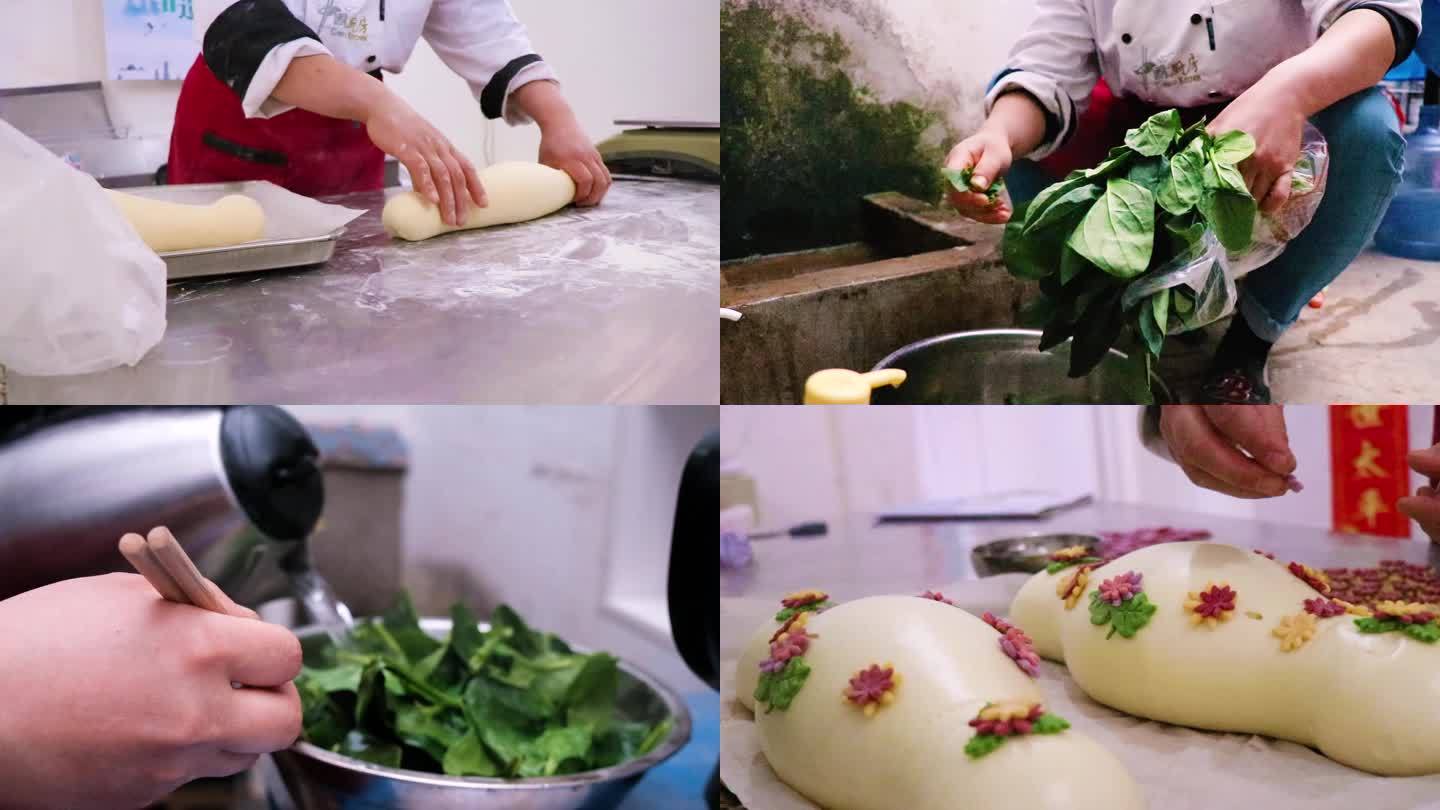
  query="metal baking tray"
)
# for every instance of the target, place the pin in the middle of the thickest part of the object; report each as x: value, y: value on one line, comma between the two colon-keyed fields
x: 265, y: 254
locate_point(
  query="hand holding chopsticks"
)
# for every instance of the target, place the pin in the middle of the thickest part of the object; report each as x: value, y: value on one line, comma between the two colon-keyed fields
x: 160, y: 559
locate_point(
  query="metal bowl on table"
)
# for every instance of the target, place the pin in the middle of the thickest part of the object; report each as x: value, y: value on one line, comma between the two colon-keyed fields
x: 317, y: 779
x: 1003, y: 367
x: 1026, y: 555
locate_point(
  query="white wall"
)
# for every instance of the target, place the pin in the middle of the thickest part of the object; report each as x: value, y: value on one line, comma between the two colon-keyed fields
x: 564, y: 512
x: 938, y: 52
x: 616, y: 59
x: 819, y: 463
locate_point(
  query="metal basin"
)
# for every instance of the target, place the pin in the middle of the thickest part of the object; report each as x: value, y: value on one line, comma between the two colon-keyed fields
x: 1025, y: 555
x: 317, y: 779
x: 1000, y: 367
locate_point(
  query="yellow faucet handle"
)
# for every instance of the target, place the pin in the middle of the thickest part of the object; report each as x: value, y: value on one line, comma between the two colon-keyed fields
x: 838, y: 386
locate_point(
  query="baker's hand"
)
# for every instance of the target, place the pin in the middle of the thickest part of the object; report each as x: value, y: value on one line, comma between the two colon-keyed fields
x: 1424, y: 506
x: 988, y: 152
x: 440, y: 172
x: 1240, y: 450
x: 566, y: 147
x: 1272, y: 117
x: 111, y: 697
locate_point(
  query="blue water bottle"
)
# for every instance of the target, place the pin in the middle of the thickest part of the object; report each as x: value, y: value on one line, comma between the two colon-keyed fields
x: 1411, y: 228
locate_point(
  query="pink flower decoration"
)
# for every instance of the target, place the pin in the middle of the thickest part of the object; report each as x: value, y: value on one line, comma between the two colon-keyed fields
x: 1018, y: 646
x: 995, y: 621
x: 1120, y: 588
x: 938, y: 597
x: 785, y: 646
x: 1215, y: 600
x: 1324, y: 608
x: 1010, y: 727
x: 870, y: 685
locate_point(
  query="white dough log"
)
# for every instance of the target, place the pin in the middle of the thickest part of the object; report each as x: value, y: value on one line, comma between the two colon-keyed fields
x: 517, y: 192
x: 168, y: 226
x: 911, y: 753
x: 1371, y: 701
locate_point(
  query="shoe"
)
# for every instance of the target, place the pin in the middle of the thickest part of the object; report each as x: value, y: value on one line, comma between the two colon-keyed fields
x: 1235, y: 386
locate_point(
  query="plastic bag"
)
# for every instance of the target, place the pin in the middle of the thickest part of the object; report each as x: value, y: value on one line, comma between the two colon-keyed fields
x: 79, y: 291
x: 1203, y: 278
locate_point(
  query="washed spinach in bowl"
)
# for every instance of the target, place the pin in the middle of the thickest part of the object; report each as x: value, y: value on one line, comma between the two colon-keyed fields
x: 509, y: 702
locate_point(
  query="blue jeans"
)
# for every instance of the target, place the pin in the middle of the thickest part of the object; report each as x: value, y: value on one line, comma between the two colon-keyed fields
x: 1367, y: 157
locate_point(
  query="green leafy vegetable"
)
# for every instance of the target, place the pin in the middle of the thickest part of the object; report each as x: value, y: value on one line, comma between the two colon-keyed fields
x: 509, y: 702
x: 960, y: 179
x: 1142, y: 212
x: 1119, y: 231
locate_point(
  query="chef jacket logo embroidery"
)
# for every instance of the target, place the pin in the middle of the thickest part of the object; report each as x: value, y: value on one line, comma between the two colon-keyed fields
x: 345, y: 23
x: 182, y: 9
x: 1171, y: 73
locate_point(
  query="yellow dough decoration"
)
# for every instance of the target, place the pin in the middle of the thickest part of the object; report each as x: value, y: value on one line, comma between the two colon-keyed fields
x: 1072, y: 586
x: 1363, y: 690
x: 1212, y: 605
x: 910, y: 702
x: 516, y: 192
x: 167, y: 227
x: 1295, y: 631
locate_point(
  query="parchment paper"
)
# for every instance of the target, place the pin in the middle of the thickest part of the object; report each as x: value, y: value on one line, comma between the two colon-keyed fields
x: 1178, y: 768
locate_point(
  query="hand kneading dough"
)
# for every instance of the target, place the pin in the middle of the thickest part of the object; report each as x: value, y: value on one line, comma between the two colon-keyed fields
x: 168, y: 226
x: 911, y: 754
x: 517, y: 192
x: 1371, y: 701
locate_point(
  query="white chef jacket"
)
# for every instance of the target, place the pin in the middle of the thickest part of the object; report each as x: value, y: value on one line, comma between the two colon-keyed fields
x: 475, y: 38
x: 1169, y: 53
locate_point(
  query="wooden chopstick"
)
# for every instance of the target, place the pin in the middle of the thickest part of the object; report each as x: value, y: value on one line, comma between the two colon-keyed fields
x: 160, y: 559
x: 182, y: 570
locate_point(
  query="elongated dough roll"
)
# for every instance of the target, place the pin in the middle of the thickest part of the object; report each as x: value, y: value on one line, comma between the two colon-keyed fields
x: 516, y: 191
x: 1268, y: 663
x: 910, y: 750
x: 168, y: 226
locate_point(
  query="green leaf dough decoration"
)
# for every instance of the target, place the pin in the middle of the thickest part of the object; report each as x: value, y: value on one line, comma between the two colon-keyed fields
x: 1418, y: 621
x: 777, y: 689
x: 1120, y: 603
x: 997, y: 721
x: 1057, y: 567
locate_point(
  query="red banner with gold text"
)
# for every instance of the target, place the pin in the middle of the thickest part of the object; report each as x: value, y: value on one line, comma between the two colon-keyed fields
x: 1368, y: 444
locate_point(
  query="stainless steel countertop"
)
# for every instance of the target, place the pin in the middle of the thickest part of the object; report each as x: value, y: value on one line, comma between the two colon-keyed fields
x: 609, y: 304
x: 859, y: 558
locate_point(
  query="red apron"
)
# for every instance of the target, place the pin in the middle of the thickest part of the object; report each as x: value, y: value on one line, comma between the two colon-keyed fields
x: 302, y: 151
x: 1103, y: 126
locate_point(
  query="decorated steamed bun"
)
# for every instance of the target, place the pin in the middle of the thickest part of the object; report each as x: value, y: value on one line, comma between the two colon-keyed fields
x: 1222, y: 638
x: 903, y: 701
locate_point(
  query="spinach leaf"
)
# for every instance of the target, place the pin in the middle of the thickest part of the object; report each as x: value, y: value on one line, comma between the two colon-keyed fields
x: 1160, y: 306
x: 960, y: 179
x: 1226, y: 177
x: 1231, y: 215
x: 1072, y: 264
x: 1232, y: 147
x: 1031, y: 257
x: 1183, y: 190
x: 467, y: 757
x: 1154, y: 137
x: 1151, y: 172
x: 1063, y: 211
x: 1118, y: 232
x: 1051, y: 193
x: 509, y: 702
x: 1096, y: 332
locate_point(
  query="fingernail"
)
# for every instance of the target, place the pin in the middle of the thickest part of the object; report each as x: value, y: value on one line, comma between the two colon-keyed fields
x: 1279, y: 460
x: 979, y: 182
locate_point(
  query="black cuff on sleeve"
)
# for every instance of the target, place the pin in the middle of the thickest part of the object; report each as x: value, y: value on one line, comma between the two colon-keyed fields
x: 492, y: 98
x: 1403, y: 29
x: 241, y: 37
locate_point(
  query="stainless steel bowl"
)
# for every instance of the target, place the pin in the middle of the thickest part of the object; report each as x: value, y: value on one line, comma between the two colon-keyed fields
x: 1026, y: 555
x: 317, y: 779
x: 999, y: 367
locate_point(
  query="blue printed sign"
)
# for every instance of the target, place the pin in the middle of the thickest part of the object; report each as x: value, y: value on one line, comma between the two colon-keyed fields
x: 149, y: 39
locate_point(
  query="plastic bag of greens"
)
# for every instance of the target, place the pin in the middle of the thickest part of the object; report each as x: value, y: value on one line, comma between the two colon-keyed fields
x: 1307, y: 188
